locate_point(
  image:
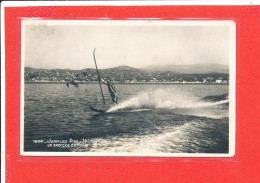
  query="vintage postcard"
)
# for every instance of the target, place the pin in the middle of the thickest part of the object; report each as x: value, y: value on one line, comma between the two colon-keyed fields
x: 163, y: 88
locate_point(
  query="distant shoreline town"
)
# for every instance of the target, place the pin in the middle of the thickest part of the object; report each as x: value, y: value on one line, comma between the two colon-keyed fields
x: 125, y: 74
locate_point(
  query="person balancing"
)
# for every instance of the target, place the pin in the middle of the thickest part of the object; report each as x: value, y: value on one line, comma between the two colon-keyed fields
x: 110, y: 85
x: 111, y: 88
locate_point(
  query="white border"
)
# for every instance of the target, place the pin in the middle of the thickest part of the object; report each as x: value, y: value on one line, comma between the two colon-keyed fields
x: 232, y: 72
x: 232, y: 88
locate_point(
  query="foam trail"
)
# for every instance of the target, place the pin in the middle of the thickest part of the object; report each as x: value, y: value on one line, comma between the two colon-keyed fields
x: 152, y: 99
x: 207, y: 104
x: 163, y: 99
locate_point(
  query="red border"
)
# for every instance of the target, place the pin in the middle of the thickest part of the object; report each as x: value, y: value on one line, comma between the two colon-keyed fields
x: 244, y: 167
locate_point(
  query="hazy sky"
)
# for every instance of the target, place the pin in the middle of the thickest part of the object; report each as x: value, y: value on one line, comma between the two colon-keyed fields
x: 64, y: 45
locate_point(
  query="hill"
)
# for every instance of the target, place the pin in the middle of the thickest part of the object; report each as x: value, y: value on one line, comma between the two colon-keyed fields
x: 197, y: 73
x: 190, y: 69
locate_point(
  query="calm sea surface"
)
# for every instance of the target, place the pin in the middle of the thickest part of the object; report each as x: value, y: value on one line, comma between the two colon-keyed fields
x: 149, y: 118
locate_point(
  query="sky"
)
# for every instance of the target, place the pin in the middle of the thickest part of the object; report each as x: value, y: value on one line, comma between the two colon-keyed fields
x: 70, y: 44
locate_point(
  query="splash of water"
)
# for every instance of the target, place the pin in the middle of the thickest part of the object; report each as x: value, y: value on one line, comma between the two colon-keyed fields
x: 163, y: 99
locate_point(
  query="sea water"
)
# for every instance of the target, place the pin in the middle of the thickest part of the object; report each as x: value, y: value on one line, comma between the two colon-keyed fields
x: 150, y: 118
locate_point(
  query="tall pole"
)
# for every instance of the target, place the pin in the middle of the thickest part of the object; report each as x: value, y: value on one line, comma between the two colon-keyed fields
x: 98, y: 76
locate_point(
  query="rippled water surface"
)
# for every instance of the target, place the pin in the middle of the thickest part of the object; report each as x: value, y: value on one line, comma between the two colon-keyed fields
x: 150, y: 118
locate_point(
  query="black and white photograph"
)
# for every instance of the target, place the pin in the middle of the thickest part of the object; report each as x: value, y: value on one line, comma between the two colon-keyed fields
x: 160, y: 88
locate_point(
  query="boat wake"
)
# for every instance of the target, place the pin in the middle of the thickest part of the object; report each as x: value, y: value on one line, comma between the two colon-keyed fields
x: 168, y: 99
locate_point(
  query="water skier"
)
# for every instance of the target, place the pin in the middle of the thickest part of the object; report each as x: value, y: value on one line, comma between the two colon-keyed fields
x: 111, y: 89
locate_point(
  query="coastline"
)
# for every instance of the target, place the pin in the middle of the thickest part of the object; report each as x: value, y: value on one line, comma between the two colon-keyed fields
x: 131, y: 83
